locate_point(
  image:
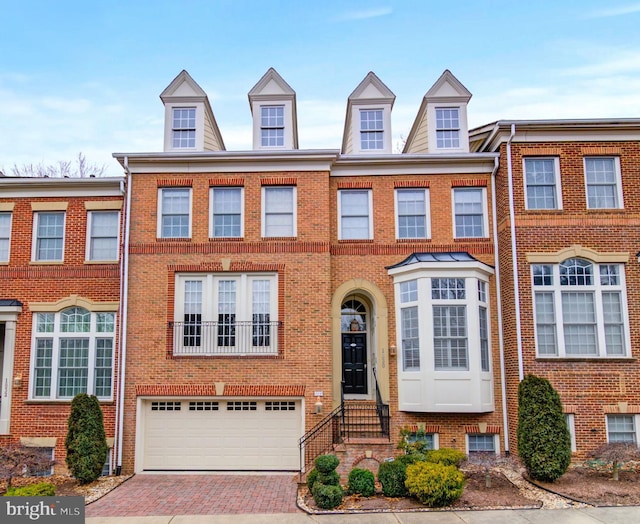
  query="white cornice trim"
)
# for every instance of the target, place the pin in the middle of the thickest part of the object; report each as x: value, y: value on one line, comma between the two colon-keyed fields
x: 19, y: 187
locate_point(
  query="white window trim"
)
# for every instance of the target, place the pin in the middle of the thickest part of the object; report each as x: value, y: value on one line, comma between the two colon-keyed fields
x: 34, y: 242
x: 496, y: 441
x: 427, y: 211
x: 464, y: 126
x: 636, y: 424
x: 263, y: 227
x: 284, y: 125
x: 436, y: 438
x: 10, y: 213
x: 370, y: 211
x: 87, y: 255
x: 212, y: 209
x: 168, y: 122
x: 485, y: 214
x: 618, y: 173
x: 256, y: 109
x: 386, y: 128
x: 558, y: 184
x: 159, y: 212
x: 570, y: 419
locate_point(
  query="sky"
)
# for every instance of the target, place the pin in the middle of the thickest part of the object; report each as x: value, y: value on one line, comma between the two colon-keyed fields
x: 85, y: 76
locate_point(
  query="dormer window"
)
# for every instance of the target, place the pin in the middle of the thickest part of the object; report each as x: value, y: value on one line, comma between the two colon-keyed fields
x: 448, y: 127
x: 272, y: 126
x: 184, y: 127
x: 371, y: 129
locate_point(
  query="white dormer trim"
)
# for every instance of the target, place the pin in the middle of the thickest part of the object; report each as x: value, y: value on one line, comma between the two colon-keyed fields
x: 272, y: 91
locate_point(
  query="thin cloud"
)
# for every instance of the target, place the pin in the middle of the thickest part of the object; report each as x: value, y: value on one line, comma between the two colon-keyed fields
x: 614, y: 11
x: 365, y: 14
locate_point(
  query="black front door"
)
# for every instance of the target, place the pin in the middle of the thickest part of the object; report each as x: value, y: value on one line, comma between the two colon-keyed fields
x: 354, y: 363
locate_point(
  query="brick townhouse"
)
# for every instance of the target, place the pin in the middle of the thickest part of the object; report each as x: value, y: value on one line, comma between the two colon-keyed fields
x: 59, y: 301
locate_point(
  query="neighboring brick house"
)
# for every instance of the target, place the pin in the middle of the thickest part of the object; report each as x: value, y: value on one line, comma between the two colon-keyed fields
x: 60, y: 274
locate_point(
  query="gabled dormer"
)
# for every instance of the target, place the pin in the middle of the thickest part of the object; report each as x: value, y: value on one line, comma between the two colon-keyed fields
x: 441, y: 125
x: 275, y: 118
x: 189, y: 124
x: 367, y: 126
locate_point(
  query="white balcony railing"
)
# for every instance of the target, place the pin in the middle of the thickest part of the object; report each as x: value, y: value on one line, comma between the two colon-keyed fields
x: 225, y: 338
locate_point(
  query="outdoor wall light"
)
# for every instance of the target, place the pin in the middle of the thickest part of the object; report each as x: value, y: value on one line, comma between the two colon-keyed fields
x: 318, y: 407
x: 638, y: 256
x: 392, y: 350
x: 17, y: 381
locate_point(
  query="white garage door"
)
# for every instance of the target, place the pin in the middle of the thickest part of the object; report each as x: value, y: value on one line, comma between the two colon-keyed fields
x: 229, y: 434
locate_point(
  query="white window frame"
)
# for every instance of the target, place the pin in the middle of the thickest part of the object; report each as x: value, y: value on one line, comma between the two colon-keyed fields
x: 556, y: 290
x: 178, y: 129
x: 485, y: 215
x: 267, y: 128
x: 366, y: 133
x: 90, y: 237
x: 618, y: 180
x: 56, y: 336
x: 496, y: 442
x: 5, y: 255
x: 293, y: 212
x: 456, y: 131
x: 36, y: 221
x: 636, y: 425
x: 161, y: 190
x: 426, y: 215
x: 557, y: 183
x: 342, y: 215
x: 570, y: 419
x: 412, y: 437
x: 212, y: 213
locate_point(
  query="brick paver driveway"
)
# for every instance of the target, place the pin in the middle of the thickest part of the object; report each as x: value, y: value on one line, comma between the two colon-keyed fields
x: 144, y: 495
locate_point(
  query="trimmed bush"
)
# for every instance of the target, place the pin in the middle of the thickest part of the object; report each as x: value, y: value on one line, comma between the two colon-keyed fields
x: 327, y: 497
x: 43, y: 489
x: 411, y: 458
x: 544, y: 443
x: 326, y: 463
x: 86, y: 443
x: 329, y: 479
x: 435, y: 485
x: 445, y: 456
x: 361, y: 482
x: 392, y: 476
x: 312, y: 478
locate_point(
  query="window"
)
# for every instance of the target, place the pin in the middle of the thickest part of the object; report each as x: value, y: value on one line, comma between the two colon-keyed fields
x: 481, y: 443
x: 371, y: 129
x: 571, y: 426
x: 580, y: 309
x: 175, y: 212
x: 183, y: 127
x: 5, y: 236
x: 103, y: 235
x: 47, y: 455
x: 411, y: 209
x: 421, y: 441
x: 542, y: 184
x: 49, y: 235
x: 469, y: 213
x: 621, y: 428
x: 448, y: 127
x: 227, y: 204
x: 354, y: 207
x: 279, y: 212
x: 106, y: 468
x: 484, y: 326
x: 73, y: 353
x: 409, y: 325
x: 603, y: 182
x: 226, y: 314
x: 449, y: 324
x: 272, y: 126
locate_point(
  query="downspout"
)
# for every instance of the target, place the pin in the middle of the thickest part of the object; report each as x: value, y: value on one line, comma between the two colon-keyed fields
x: 503, y: 379
x: 514, y: 255
x: 124, y: 294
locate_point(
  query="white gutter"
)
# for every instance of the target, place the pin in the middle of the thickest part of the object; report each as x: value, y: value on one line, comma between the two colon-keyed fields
x: 514, y: 255
x: 124, y: 294
x: 503, y: 378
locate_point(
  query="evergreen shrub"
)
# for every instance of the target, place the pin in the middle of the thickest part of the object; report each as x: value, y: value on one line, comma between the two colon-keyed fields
x: 43, y: 489
x: 361, y: 482
x: 435, y: 485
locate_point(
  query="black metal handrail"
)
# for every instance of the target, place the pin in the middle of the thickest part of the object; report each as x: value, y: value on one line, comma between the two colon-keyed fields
x: 382, y: 410
x: 321, y: 438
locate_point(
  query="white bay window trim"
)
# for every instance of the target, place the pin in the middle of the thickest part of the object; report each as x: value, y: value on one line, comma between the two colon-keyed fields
x: 355, y: 214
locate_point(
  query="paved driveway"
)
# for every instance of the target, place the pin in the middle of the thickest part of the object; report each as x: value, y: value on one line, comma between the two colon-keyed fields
x: 145, y: 494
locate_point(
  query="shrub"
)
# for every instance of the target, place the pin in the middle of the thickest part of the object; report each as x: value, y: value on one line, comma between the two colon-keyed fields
x: 15, y: 460
x: 446, y: 457
x: 413, y: 441
x: 86, y: 443
x: 329, y: 479
x: 326, y: 463
x: 616, y: 454
x: 434, y: 485
x: 327, y: 497
x: 43, y: 489
x: 544, y: 443
x: 312, y: 478
x: 392, y: 476
x: 411, y: 458
x: 362, y: 482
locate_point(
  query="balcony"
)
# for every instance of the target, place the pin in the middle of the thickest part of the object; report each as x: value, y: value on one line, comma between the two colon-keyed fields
x: 203, y: 338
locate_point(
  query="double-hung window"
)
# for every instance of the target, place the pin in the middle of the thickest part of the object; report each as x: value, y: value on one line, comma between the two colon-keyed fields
x: 411, y: 213
x: 103, y: 228
x: 603, y: 182
x: 470, y: 212
x: 183, y: 128
x: 272, y: 126
x: 279, y: 211
x: 371, y: 129
x: 580, y: 309
x: 448, y: 127
x: 49, y: 236
x: 174, y: 212
x: 5, y: 236
x: 354, y: 209
x: 73, y: 352
x: 409, y: 329
x: 226, y: 314
x: 450, y: 332
x: 226, y: 212
x: 542, y: 183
